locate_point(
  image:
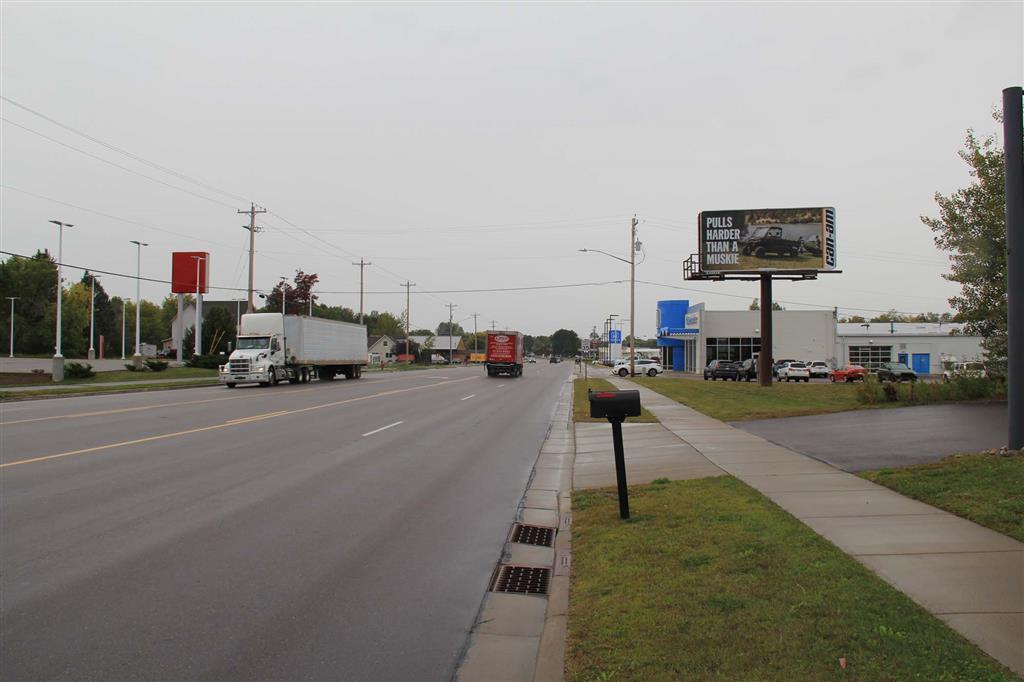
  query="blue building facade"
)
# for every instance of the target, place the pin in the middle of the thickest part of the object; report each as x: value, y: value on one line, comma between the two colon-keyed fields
x: 678, y: 328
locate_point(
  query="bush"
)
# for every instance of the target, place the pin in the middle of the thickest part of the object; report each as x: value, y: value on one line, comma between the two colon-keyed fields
x: 206, y: 361
x: 961, y: 388
x: 78, y: 370
x: 132, y: 368
x: 157, y: 365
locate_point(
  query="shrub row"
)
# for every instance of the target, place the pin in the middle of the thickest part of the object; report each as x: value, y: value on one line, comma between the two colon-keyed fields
x: 872, y: 391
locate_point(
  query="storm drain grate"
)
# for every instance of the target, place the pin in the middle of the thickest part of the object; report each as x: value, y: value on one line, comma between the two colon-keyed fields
x: 533, y: 535
x: 522, y: 580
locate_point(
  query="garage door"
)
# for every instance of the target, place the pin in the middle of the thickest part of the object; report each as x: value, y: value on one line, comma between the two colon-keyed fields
x: 922, y: 363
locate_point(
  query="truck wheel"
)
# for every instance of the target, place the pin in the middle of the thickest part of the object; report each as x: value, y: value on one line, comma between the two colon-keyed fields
x: 294, y: 380
x: 759, y: 252
x: 230, y: 385
x: 357, y: 372
x: 273, y: 376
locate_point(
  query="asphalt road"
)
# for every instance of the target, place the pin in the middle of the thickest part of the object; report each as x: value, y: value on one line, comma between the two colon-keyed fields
x: 874, y: 439
x: 261, y: 533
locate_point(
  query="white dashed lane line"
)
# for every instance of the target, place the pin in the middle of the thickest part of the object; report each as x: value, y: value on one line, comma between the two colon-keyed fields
x: 383, y: 428
x: 471, y: 395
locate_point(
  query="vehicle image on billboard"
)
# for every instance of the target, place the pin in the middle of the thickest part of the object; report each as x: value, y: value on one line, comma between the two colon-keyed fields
x: 794, y: 371
x: 801, y: 239
x: 721, y: 369
x: 896, y: 371
x: 848, y: 374
x: 651, y: 368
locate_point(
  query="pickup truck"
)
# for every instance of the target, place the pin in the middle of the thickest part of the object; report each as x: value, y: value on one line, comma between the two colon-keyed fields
x: 769, y: 240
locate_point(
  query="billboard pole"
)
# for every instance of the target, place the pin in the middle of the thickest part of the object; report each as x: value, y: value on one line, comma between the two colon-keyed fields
x: 764, y: 360
x: 1013, y: 147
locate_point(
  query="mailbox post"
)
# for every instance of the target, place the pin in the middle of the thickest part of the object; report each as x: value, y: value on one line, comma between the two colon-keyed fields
x: 615, y: 406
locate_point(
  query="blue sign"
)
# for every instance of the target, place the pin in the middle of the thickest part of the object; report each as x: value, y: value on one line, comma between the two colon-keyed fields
x: 615, y: 336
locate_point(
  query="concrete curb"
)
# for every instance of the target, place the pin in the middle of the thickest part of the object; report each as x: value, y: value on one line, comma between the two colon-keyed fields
x: 521, y: 637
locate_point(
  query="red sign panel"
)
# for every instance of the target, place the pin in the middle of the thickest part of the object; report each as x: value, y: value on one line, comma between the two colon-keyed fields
x: 190, y: 272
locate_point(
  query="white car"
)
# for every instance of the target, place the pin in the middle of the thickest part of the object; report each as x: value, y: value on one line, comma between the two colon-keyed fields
x: 651, y: 368
x: 818, y: 368
x: 975, y: 370
x: 794, y: 371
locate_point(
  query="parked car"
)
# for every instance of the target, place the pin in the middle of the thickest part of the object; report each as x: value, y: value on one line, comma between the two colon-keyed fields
x: 848, y: 374
x: 780, y: 363
x: 896, y: 371
x: 819, y: 368
x: 965, y: 369
x: 794, y: 371
x: 721, y: 369
x: 769, y: 240
x: 554, y: 359
x: 747, y: 370
x: 651, y: 368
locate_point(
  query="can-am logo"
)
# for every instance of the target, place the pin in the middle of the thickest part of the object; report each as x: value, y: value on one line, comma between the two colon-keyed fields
x: 501, y: 338
x: 830, y: 238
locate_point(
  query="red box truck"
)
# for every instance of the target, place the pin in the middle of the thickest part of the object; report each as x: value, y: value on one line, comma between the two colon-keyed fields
x: 504, y: 353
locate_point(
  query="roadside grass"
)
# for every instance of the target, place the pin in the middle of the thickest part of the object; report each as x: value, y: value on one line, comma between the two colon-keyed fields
x: 740, y: 400
x: 709, y: 579
x: 62, y: 391
x: 146, y: 375
x: 985, y: 487
x: 400, y: 368
x: 581, y: 405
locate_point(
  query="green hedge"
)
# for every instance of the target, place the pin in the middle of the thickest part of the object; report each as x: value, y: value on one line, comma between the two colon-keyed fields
x: 961, y: 388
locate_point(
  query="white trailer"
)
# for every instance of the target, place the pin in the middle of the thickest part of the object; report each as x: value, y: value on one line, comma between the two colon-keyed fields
x: 272, y: 347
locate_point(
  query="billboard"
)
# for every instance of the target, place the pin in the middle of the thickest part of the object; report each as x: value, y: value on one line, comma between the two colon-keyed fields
x: 184, y: 271
x: 768, y: 239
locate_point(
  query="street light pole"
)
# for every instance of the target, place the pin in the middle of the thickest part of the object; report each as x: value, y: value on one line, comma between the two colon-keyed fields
x: 124, y: 308
x: 92, y: 319
x: 58, y: 358
x: 137, y: 357
x: 12, y: 299
x: 198, y: 340
x: 632, y: 296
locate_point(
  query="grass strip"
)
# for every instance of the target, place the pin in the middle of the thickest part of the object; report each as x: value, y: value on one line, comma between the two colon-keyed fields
x: 740, y: 400
x: 581, y: 405
x: 711, y: 580
x: 64, y: 391
x: 143, y: 375
x: 985, y: 487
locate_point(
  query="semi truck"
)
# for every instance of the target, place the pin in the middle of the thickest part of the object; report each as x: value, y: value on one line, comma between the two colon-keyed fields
x: 504, y: 353
x: 272, y: 347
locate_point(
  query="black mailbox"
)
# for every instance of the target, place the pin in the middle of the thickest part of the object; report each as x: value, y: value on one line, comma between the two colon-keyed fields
x: 615, y: 405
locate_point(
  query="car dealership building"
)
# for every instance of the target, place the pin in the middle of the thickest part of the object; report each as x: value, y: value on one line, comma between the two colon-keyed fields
x: 690, y: 336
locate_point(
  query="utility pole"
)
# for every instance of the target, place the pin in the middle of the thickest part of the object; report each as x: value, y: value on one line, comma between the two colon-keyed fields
x: 12, y: 299
x: 58, y: 358
x: 475, y: 349
x: 408, y: 286
x: 493, y: 325
x: 632, y: 296
x: 137, y: 357
x: 92, y: 319
x: 252, y: 245
x: 451, y: 309
x: 124, y: 308
x: 1013, y: 157
x: 362, y: 264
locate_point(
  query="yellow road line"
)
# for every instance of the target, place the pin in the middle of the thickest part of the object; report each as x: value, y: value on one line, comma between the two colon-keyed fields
x: 235, y: 422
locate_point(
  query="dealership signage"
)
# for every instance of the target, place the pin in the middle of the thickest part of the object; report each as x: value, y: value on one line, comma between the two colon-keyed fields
x: 771, y: 239
x: 615, y: 336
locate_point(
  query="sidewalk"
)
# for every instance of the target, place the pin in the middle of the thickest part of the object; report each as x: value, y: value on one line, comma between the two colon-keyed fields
x: 967, y: 575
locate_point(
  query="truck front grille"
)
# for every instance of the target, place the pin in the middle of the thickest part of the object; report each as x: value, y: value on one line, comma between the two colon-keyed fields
x: 241, y: 365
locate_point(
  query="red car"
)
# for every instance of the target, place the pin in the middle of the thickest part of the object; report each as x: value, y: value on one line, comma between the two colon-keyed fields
x: 849, y: 374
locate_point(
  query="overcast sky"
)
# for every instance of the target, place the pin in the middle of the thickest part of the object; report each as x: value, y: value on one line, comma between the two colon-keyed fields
x: 481, y: 145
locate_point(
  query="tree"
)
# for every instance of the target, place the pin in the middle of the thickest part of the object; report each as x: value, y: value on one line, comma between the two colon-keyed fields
x: 386, y: 323
x: 296, y: 295
x: 421, y: 332
x: 34, y: 281
x: 169, y: 310
x: 541, y: 345
x: 457, y: 330
x: 972, y: 227
x: 565, y: 342
x: 754, y: 305
x: 106, y: 317
x: 335, y: 312
x: 853, y: 318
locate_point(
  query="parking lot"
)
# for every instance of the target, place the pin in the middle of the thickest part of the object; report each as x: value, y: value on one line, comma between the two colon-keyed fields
x: 873, y: 439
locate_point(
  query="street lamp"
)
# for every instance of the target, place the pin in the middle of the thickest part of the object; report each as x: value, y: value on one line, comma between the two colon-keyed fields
x: 124, y: 308
x: 58, y: 359
x: 198, y: 340
x: 92, y: 319
x: 137, y: 357
x: 633, y: 246
x: 12, y: 299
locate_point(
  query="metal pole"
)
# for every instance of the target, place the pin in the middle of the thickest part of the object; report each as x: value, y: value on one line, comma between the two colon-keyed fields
x: 137, y: 357
x: 764, y: 360
x: 1013, y: 148
x: 632, y: 297
x: 198, y: 345
x: 620, y: 469
x: 92, y: 319
x: 60, y: 285
x: 12, y: 299
x: 124, y: 307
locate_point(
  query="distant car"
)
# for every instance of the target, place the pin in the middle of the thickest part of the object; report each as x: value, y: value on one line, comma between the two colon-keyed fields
x: 965, y: 369
x: 554, y: 359
x: 651, y: 368
x: 896, y: 371
x: 748, y: 370
x: 848, y: 374
x: 721, y: 369
x: 819, y: 368
x: 794, y: 371
x: 780, y: 363
x: 531, y: 359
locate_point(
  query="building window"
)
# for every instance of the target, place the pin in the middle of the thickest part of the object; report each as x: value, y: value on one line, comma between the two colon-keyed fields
x: 871, y: 357
x: 732, y: 348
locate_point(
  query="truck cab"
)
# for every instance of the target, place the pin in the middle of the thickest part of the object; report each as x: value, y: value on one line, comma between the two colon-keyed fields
x: 259, y: 355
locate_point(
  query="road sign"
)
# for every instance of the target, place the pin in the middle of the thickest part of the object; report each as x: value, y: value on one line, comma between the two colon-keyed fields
x: 615, y: 336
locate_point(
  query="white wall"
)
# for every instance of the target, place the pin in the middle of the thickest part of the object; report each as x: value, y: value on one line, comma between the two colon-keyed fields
x: 798, y: 334
x: 939, y: 347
